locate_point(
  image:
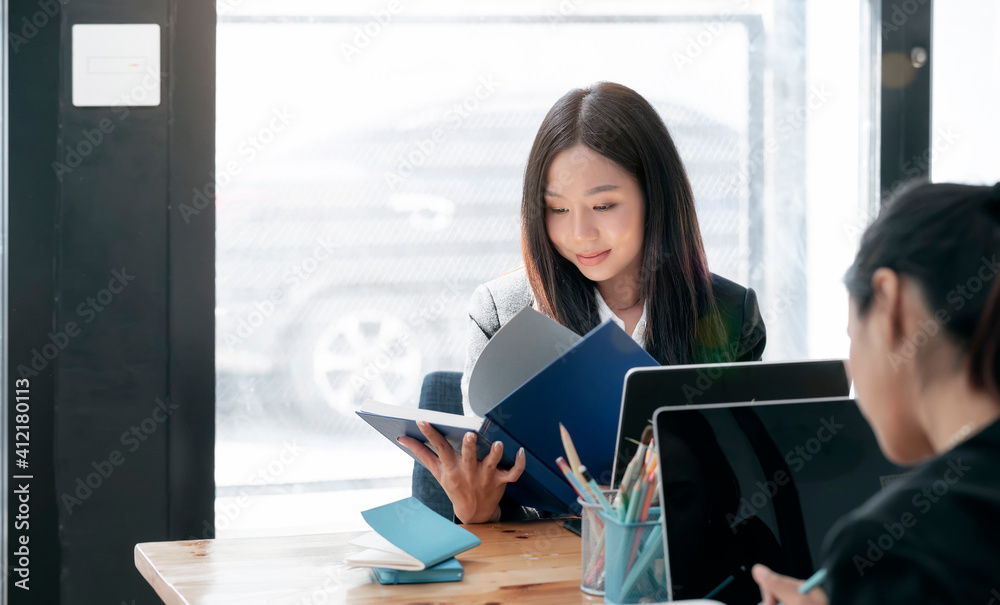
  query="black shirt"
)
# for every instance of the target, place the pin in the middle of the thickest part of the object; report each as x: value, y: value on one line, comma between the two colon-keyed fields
x: 931, y: 537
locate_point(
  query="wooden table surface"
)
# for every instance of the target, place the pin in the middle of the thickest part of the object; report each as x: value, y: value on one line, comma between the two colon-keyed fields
x: 534, y: 562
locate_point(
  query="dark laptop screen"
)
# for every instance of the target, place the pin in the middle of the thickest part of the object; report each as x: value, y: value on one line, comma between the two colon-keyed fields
x: 647, y: 389
x: 759, y: 483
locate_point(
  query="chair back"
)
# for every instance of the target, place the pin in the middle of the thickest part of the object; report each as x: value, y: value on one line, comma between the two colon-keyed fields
x: 441, y: 392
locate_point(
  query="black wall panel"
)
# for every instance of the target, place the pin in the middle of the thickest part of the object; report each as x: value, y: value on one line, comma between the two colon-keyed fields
x: 907, y: 61
x: 125, y: 411
x: 32, y: 191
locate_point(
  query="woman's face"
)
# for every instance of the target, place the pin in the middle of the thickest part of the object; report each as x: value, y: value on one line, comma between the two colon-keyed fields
x: 594, y: 214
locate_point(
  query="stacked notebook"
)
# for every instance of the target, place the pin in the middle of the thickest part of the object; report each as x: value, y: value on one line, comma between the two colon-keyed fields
x: 411, y: 544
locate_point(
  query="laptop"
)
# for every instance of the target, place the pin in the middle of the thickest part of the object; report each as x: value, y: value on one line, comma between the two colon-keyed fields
x: 758, y: 482
x: 647, y: 389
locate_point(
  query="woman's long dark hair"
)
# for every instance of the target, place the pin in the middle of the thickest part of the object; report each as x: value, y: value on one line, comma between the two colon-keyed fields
x: 946, y: 237
x: 683, y: 325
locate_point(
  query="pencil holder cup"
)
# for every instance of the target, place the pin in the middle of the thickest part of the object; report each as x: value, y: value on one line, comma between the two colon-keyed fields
x: 634, y: 567
x: 592, y: 545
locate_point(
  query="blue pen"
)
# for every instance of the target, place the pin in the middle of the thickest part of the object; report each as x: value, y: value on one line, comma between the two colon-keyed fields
x: 814, y: 580
x: 719, y: 588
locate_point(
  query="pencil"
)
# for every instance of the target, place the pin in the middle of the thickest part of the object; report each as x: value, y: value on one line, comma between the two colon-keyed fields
x: 621, y: 505
x: 646, y: 496
x: 580, y: 489
x: 633, y: 467
x: 595, y: 568
x: 638, y: 495
x: 650, y: 550
x: 595, y: 489
x: 571, y: 456
x: 632, y: 470
x: 654, y: 486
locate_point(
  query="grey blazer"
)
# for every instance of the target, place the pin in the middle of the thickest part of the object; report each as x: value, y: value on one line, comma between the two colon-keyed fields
x: 495, y: 302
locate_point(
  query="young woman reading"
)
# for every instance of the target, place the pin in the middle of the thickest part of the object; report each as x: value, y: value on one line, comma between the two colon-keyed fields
x: 608, y: 231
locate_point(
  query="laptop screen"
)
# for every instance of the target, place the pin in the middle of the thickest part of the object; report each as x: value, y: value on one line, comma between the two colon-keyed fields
x: 647, y: 389
x: 759, y: 483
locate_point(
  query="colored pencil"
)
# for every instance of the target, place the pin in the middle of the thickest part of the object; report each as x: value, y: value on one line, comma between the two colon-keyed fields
x: 571, y: 455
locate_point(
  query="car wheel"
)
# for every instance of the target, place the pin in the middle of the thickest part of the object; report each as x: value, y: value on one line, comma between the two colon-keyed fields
x: 366, y: 355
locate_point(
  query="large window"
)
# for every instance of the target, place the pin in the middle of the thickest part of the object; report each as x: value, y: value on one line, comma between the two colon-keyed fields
x: 965, y: 89
x: 368, y: 179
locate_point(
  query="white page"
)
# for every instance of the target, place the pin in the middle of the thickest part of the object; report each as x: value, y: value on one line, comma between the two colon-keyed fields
x: 432, y: 416
x: 519, y: 350
x: 382, y: 553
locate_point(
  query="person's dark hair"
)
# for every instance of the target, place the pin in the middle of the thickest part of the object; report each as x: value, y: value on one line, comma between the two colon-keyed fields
x: 946, y: 238
x: 683, y: 325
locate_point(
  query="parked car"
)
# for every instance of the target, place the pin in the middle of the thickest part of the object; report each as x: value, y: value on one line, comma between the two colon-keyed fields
x: 344, y: 267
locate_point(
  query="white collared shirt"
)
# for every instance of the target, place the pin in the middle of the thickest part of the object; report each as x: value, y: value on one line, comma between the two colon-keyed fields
x: 605, y: 313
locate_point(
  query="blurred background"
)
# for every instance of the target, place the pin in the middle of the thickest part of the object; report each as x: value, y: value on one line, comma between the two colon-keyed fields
x: 321, y: 185
x: 368, y: 178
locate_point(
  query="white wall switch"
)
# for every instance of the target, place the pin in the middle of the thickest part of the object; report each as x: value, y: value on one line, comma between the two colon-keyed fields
x: 116, y: 65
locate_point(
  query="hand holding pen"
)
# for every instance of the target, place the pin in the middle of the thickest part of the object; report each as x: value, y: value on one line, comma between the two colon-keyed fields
x: 776, y: 589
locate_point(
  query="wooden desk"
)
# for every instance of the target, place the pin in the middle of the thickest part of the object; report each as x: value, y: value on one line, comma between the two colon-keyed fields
x: 536, y: 562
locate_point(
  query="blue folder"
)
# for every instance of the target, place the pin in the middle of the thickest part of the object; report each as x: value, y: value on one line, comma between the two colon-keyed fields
x: 582, y: 389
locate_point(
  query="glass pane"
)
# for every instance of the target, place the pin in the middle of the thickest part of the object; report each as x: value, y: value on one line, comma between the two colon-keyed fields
x: 965, y: 89
x: 369, y: 178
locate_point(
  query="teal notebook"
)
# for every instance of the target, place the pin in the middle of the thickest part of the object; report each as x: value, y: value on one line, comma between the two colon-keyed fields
x: 412, y: 538
x: 448, y: 571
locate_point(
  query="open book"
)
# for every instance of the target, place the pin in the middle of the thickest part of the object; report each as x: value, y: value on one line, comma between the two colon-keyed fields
x: 533, y: 374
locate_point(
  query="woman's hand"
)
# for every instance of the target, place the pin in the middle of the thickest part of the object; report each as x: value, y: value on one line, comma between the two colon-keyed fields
x: 776, y: 588
x: 474, y: 487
